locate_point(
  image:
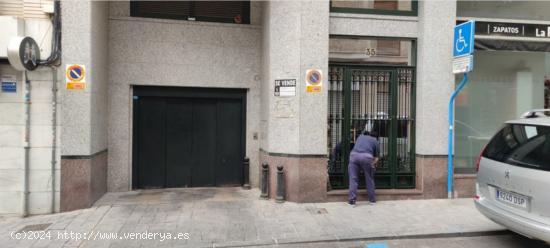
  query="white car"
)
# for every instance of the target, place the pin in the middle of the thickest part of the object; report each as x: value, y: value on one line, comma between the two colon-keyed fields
x: 513, y: 179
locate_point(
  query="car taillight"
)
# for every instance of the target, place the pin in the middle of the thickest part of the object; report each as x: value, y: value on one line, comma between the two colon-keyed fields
x: 479, y: 158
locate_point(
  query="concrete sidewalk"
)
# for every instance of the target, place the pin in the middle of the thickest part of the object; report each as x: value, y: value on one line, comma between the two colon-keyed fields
x: 232, y: 217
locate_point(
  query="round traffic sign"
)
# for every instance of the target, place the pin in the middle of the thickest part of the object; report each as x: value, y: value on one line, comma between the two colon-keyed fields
x: 75, y: 73
x: 314, y: 77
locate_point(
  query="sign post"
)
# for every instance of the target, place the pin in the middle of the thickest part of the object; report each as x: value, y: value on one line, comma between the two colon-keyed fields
x: 463, y: 62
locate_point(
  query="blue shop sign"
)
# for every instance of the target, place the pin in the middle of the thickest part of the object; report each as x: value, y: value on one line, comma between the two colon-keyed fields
x: 9, y: 84
x: 9, y: 87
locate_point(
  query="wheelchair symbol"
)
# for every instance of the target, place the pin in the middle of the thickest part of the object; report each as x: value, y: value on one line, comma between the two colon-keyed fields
x: 460, y: 42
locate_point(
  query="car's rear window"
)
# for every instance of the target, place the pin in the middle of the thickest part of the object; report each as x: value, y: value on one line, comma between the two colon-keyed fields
x: 521, y: 145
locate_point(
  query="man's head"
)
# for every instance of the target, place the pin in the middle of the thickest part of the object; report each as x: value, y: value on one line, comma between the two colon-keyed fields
x: 371, y: 133
x: 366, y: 129
x: 374, y: 134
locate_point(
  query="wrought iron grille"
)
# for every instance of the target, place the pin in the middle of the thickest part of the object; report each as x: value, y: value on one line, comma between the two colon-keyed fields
x: 335, y: 122
x: 405, y: 159
x: 380, y: 100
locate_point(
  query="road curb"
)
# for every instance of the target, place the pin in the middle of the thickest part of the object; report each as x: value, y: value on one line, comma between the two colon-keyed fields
x: 331, y: 238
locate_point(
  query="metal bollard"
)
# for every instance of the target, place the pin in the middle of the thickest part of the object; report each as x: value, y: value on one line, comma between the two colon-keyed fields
x: 280, y: 185
x: 246, y: 168
x: 265, y: 181
x: 329, y: 187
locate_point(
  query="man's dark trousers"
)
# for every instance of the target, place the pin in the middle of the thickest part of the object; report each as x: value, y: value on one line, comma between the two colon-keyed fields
x: 357, y: 162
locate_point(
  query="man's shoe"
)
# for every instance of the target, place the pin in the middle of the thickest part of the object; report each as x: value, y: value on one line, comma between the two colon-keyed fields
x: 372, y: 203
x: 351, y: 203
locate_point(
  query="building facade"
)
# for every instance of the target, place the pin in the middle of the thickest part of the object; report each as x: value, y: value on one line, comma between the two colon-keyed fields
x: 177, y: 94
x: 29, y: 181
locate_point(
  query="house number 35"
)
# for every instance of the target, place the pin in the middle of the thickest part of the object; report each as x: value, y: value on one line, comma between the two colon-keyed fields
x: 370, y: 51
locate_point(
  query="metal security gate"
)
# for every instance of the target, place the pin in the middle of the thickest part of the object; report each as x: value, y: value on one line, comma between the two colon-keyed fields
x: 381, y: 99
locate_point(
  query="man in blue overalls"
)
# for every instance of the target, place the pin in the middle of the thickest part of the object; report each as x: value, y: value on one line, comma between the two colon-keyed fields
x: 363, y: 156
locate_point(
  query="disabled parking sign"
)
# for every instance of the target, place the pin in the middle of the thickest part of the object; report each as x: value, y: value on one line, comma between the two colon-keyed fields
x: 463, y: 47
x: 464, y: 39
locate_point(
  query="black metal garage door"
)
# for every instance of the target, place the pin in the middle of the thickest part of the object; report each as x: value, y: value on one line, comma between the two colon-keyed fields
x: 188, y: 137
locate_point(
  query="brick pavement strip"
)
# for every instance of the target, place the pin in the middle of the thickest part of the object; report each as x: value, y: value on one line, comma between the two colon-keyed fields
x: 232, y: 217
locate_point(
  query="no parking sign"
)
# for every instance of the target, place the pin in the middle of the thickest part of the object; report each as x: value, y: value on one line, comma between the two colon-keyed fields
x: 314, y: 81
x: 75, y: 77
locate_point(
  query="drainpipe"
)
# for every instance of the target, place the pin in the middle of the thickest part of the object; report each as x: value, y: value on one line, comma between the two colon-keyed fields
x: 53, y: 62
x: 27, y: 145
x: 54, y: 132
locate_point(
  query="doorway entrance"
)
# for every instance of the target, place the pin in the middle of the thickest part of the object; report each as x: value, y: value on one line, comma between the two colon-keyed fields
x: 379, y: 99
x: 188, y: 137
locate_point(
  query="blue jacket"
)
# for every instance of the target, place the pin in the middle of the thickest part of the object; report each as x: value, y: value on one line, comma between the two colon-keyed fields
x: 367, y: 144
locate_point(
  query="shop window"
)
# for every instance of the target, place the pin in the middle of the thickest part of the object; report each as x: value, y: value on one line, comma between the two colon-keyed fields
x: 383, y: 7
x: 502, y: 86
x: 208, y: 11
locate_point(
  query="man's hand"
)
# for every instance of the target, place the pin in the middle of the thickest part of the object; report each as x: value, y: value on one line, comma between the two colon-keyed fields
x: 375, y: 163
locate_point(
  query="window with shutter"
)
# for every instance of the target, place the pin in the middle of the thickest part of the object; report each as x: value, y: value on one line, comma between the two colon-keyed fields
x: 385, y: 4
x: 208, y: 11
x: 28, y: 9
x: 388, y: 47
x: 382, y: 7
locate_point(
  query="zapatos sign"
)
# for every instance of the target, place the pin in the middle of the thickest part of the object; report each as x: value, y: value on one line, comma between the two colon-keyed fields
x: 512, y: 29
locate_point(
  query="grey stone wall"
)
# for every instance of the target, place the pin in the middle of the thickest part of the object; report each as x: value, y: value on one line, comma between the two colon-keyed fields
x: 84, y: 112
x: 283, y: 53
x: 435, y: 80
x: 373, y: 25
x: 77, y: 49
x: 84, y: 40
x: 295, y: 39
x: 146, y: 51
x: 265, y: 87
x: 314, y: 55
x: 99, y: 76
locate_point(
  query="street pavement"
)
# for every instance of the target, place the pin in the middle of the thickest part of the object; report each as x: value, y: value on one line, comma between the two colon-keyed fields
x: 503, y: 240
x: 233, y: 217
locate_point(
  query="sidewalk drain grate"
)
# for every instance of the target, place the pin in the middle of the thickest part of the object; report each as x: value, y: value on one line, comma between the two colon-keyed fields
x: 317, y: 210
x: 34, y: 228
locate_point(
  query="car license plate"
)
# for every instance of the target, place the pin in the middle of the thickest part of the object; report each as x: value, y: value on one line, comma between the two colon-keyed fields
x: 512, y: 198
